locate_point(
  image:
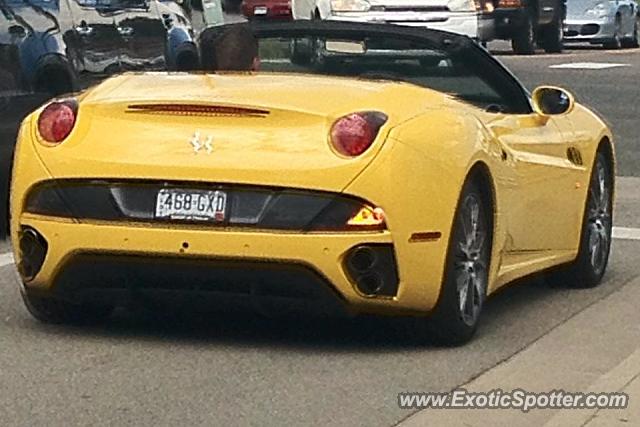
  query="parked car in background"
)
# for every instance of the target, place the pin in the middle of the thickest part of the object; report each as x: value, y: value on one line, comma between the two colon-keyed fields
x: 51, y: 47
x: 267, y: 9
x: 467, y: 17
x: 613, y: 24
x: 530, y: 22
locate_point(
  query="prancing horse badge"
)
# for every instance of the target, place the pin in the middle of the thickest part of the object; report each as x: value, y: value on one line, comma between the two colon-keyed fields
x: 199, y: 144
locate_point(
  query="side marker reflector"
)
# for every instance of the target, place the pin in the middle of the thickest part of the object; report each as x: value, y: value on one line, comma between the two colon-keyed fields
x: 429, y: 236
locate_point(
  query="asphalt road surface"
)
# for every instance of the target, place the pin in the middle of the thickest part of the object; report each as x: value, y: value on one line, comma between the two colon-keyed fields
x: 241, y: 369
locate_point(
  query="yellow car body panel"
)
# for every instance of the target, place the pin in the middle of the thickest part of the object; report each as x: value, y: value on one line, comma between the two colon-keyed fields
x: 414, y: 171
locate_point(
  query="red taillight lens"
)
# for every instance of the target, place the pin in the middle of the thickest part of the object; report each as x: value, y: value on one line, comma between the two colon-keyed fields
x: 353, y: 134
x: 57, y: 120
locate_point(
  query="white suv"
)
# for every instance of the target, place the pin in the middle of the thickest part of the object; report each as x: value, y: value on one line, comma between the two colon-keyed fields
x: 468, y: 17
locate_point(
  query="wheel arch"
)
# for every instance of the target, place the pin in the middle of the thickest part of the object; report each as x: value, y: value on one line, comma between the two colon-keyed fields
x: 606, y: 147
x: 481, y: 174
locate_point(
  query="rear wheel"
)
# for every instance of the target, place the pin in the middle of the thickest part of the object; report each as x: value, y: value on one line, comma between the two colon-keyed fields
x: 455, y: 319
x: 523, y: 42
x: 52, y: 310
x: 595, y: 239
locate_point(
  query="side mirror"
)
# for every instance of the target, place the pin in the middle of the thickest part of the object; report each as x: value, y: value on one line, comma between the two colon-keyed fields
x: 552, y: 101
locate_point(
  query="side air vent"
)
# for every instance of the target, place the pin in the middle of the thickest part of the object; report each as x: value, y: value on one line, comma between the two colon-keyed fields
x: 197, y: 110
x: 574, y: 156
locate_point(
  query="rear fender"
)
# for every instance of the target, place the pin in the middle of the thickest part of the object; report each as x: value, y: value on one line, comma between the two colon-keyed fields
x: 416, y: 179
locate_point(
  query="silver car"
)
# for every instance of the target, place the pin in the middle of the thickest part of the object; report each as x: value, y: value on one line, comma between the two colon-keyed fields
x: 468, y: 17
x: 612, y: 23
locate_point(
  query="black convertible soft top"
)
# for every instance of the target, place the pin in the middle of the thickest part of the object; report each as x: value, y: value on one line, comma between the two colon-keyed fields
x: 458, y: 46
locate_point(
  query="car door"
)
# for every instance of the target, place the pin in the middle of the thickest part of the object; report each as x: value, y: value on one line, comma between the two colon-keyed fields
x: 535, y: 179
x: 99, y: 43
x: 540, y: 187
x: 143, y: 31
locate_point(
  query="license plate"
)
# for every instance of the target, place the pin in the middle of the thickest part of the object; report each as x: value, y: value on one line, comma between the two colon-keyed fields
x: 260, y: 10
x: 191, y: 204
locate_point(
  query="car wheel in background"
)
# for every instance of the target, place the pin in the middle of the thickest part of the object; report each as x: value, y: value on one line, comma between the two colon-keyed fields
x: 523, y: 42
x: 455, y: 319
x: 552, y: 36
x: 632, y: 41
x: 52, y: 310
x: 595, y: 238
x: 616, y: 41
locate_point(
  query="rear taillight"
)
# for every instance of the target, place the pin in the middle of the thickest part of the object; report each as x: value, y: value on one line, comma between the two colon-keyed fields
x: 353, y: 134
x: 367, y: 217
x: 56, y: 121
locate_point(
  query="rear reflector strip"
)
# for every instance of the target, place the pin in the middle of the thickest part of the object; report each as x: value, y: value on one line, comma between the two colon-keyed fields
x: 196, y: 110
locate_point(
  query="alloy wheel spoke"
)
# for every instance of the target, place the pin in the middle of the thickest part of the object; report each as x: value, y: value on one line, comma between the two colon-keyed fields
x: 469, y: 301
x: 463, y: 288
x: 599, y: 218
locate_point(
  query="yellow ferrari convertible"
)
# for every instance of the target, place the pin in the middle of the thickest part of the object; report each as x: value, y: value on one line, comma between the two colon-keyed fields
x: 354, y: 167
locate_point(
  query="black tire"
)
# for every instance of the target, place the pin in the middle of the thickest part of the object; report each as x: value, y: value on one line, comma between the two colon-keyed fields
x: 552, y: 37
x: 632, y: 42
x: 616, y: 41
x: 455, y: 319
x: 589, y: 267
x: 523, y: 42
x: 56, y: 311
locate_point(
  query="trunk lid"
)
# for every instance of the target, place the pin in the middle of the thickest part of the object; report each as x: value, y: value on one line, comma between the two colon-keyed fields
x: 248, y: 129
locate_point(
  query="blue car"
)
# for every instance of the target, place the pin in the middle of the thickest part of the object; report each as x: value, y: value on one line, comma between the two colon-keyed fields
x: 52, y: 47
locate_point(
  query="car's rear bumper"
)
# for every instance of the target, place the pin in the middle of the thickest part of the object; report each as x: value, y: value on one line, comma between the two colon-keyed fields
x: 120, y: 260
x: 231, y: 284
x: 417, y: 232
x: 471, y: 24
x: 592, y: 31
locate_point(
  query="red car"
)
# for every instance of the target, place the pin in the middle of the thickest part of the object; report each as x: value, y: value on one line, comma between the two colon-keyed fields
x: 267, y: 9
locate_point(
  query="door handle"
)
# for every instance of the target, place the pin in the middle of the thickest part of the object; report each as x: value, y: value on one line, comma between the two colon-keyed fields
x: 84, y: 30
x: 125, y: 31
